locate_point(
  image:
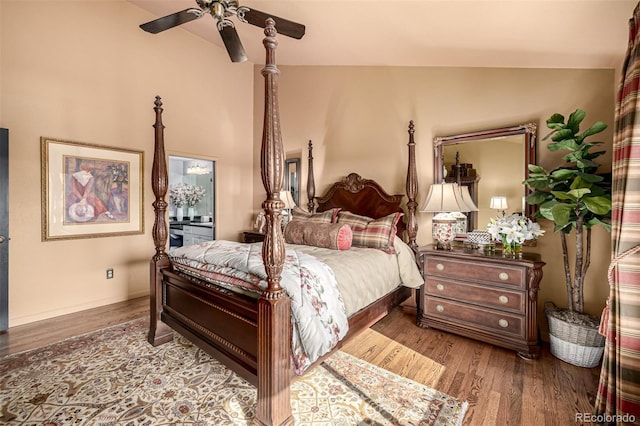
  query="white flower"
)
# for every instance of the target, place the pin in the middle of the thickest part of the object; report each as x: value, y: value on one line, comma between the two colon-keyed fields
x: 514, y: 229
x: 182, y: 193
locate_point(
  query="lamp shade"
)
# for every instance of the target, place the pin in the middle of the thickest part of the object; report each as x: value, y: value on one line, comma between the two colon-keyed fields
x: 286, y: 197
x: 444, y: 197
x: 467, y: 200
x: 499, y: 202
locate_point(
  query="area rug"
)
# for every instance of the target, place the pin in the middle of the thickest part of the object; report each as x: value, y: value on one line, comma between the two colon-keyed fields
x: 114, y: 377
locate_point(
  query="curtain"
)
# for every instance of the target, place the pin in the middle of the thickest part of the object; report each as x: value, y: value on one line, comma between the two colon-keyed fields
x: 618, y: 399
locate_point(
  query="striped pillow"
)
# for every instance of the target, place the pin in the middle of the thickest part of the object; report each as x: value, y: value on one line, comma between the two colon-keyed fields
x: 373, y: 233
x: 327, y: 216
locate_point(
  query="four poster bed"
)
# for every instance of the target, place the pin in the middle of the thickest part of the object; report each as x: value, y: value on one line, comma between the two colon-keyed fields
x: 252, y: 333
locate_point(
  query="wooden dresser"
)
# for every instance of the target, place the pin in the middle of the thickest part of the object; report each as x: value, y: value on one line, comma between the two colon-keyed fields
x: 484, y: 297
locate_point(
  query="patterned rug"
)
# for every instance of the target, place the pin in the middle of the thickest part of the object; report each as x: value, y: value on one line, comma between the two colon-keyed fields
x: 114, y: 377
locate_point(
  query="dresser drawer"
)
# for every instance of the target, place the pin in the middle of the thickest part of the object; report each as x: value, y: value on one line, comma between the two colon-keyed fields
x: 476, y: 271
x: 502, y: 323
x: 492, y: 297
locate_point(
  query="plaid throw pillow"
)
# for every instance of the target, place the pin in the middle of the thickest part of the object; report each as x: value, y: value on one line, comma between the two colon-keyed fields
x: 327, y: 216
x: 373, y: 233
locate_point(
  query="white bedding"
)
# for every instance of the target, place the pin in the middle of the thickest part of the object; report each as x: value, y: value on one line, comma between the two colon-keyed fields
x: 365, y: 275
x: 326, y: 286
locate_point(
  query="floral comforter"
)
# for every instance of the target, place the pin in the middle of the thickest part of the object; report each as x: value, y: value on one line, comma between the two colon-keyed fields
x: 317, y: 309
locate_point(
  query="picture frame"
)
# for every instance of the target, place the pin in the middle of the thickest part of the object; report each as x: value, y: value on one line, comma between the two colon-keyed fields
x: 90, y: 191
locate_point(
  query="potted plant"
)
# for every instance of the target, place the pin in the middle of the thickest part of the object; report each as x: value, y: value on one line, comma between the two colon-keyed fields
x: 575, y: 197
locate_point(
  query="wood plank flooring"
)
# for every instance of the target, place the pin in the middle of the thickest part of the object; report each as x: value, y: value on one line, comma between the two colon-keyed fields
x: 501, y: 388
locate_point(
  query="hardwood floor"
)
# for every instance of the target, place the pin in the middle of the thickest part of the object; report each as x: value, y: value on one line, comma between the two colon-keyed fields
x: 501, y: 388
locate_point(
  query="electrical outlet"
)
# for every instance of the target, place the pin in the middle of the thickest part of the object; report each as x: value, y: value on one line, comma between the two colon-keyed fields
x: 109, y: 273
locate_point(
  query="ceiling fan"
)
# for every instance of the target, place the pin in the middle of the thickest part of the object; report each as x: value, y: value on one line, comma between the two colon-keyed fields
x: 221, y: 10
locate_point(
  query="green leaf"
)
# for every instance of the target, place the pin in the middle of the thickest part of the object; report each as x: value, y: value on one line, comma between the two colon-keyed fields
x: 545, y: 209
x: 538, y: 182
x: 579, y: 192
x: 585, y: 163
x: 534, y: 168
x: 575, y: 118
x: 598, y: 205
x: 595, y: 221
x: 596, y: 128
x: 578, y: 183
x: 538, y: 197
x: 562, y: 214
x: 554, y: 120
x: 569, y: 144
x: 563, y: 174
x: 562, y: 135
x: 591, y: 178
x: 562, y: 195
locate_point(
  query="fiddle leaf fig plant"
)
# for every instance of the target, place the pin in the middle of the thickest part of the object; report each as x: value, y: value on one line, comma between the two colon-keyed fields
x: 574, y: 196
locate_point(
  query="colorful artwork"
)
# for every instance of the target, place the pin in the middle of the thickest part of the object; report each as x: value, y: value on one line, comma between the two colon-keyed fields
x: 90, y: 190
x: 96, y: 190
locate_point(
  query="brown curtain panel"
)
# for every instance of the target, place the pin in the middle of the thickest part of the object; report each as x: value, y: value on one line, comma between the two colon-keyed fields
x: 618, y: 399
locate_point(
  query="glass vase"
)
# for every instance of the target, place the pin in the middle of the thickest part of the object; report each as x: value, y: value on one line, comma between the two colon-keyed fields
x: 512, y: 250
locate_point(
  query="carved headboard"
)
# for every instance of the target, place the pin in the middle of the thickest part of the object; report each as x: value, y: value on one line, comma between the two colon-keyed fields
x: 361, y: 196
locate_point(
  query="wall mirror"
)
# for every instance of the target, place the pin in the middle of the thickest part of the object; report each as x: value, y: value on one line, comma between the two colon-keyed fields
x: 292, y: 178
x: 191, y: 180
x: 492, y: 163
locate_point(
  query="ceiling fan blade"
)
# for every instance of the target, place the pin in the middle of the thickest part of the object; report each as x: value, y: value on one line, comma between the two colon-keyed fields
x: 170, y: 21
x: 232, y: 43
x: 283, y: 26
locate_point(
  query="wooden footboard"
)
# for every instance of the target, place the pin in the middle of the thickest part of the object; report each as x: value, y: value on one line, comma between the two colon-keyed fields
x: 225, y: 324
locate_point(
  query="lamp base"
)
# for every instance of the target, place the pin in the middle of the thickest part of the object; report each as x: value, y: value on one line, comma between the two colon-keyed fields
x: 443, y: 231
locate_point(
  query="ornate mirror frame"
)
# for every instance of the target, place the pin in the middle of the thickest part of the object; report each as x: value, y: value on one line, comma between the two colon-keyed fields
x: 529, y: 132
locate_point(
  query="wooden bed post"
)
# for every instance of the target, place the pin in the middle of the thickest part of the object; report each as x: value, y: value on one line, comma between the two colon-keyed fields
x: 412, y: 191
x: 311, y: 185
x: 158, y: 331
x: 274, y: 306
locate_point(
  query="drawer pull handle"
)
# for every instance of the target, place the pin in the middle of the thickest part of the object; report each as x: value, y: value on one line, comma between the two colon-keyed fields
x: 439, y: 308
x: 440, y: 287
x: 439, y: 266
x: 503, y: 299
x: 503, y: 323
x: 503, y: 276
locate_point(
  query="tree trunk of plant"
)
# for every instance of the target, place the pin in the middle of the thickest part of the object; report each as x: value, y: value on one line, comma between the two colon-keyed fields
x: 578, y: 282
x: 567, y: 270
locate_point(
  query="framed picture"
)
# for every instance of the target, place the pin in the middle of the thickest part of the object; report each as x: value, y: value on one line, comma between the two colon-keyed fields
x: 90, y: 191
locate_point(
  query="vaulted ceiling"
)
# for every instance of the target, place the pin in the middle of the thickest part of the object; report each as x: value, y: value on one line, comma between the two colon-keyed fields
x: 476, y: 33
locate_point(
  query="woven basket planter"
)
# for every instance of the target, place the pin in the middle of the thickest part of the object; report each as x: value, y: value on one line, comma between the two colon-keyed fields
x: 576, y: 344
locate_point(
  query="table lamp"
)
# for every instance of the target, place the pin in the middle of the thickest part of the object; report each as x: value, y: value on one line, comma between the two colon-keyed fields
x: 289, y: 204
x: 499, y: 202
x: 443, y: 199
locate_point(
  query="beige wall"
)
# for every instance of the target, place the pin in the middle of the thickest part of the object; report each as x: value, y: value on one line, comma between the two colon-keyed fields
x: 84, y: 71
x: 357, y: 118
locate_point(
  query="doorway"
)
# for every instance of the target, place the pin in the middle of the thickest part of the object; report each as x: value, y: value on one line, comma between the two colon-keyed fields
x: 192, y: 200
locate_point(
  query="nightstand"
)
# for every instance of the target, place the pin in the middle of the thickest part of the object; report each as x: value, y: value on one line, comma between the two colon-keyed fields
x: 252, y: 237
x: 485, y: 297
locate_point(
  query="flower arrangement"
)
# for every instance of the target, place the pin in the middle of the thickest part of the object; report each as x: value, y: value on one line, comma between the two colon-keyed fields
x: 194, y: 195
x: 182, y: 194
x: 513, y: 230
x: 119, y: 175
